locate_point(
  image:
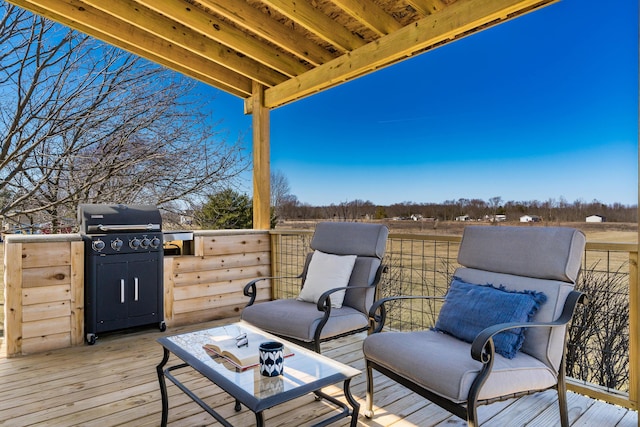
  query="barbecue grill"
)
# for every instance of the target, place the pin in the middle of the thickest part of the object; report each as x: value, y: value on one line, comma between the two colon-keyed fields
x: 123, y: 267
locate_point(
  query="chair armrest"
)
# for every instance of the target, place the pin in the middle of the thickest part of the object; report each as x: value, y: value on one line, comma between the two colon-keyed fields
x: 482, y: 348
x: 250, y: 290
x: 376, y: 321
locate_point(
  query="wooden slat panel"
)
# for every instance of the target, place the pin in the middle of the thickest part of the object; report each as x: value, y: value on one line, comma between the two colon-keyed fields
x: 226, y: 245
x: 46, y: 276
x: 45, y: 343
x: 46, y: 294
x: 187, y: 264
x: 214, y: 276
x: 214, y: 301
x: 190, y: 318
x: 45, y: 254
x: 42, y: 328
x: 48, y: 310
x: 216, y: 290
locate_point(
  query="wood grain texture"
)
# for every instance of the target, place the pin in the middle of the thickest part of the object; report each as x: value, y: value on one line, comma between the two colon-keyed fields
x: 114, y: 382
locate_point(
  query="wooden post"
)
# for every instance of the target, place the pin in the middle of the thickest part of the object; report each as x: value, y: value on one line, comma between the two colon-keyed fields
x: 13, y: 298
x: 261, y: 160
x: 634, y: 321
x: 77, y: 293
x: 634, y: 325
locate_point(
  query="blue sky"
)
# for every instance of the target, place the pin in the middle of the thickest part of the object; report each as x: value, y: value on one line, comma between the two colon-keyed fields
x: 542, y: 107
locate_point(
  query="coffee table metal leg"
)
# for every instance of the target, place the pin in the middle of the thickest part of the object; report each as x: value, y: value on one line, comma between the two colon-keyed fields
x: 163, y: 388
x: 355, y: 405
x: 259, y: 419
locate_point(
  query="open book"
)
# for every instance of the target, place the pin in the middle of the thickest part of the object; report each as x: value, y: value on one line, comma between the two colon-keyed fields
x: 243, y: 357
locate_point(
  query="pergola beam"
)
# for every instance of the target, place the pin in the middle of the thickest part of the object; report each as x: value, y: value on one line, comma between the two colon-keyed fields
x: 96, y: 23
x: 457, y: 20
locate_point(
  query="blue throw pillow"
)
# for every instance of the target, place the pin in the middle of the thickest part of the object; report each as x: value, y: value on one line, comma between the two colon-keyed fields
x: 469, y: 308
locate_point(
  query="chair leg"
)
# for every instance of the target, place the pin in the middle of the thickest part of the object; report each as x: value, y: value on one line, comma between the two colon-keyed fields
x: 562, y: 396
x: 368, y: 411
x: 472, y: 414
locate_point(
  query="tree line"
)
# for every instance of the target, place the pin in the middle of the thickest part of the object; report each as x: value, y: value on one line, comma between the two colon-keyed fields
x: 551, y: 210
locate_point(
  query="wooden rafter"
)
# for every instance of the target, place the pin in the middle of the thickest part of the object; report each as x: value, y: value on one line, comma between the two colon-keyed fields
x: 252, y: 20
x: 454, y: 22
x: 370, y: 14
x: 291, y: 48
x: 97, y: 24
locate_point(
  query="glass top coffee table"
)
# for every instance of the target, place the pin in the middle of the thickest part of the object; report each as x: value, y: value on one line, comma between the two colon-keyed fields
x: 304, y: 372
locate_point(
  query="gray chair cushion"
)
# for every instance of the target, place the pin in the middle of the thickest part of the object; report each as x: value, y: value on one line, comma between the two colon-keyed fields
x: 363, y: 274
x: 442, y: 364
x: 543, y: 344
x: 552, y: 253
x: 299, y: 319
x: 350, y: 238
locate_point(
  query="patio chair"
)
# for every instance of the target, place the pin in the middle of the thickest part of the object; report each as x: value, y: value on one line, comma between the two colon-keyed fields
x: 479, y: 351
x: 339, y: 281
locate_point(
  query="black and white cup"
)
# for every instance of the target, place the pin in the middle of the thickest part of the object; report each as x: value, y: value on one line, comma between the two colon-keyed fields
x: 271, y: 358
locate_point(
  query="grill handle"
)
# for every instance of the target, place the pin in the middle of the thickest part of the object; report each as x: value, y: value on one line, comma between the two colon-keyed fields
x: 132, y: 227
x: 121, y: 291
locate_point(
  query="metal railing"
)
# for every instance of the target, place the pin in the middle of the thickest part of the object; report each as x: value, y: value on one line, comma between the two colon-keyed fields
x: 602, y: 351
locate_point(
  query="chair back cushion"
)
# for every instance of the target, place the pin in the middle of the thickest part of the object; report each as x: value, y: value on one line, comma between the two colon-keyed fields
x: 542, y: 259
x: 367, y: 241
x: 350, y: 238
x: 543, y: 252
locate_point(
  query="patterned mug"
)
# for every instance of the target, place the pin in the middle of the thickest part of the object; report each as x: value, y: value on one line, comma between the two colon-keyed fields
x: 271, y: 358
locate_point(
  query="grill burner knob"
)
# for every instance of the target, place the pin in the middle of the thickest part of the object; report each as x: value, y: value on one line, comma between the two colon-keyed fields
x: 98, y: 245
x: 145, y: 243
x: 155, y: 242
x: 134, y: 243
x: 116, y: 244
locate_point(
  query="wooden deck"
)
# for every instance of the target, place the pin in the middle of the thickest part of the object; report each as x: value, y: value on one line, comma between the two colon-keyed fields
x: 114, y: 383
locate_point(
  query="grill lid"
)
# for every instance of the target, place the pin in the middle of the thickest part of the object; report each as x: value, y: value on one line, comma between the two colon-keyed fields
x: 103, y: 218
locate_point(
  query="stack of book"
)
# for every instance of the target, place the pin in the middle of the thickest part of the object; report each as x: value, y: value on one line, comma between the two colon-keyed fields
x: 243, y: 357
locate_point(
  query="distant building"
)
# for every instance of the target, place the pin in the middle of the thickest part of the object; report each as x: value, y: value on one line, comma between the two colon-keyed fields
x: 596, y: 218
x: 530, y: 218
x: 463, y: 218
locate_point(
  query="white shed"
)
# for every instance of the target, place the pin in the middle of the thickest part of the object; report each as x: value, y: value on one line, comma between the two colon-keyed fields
x: 596, y: 218
x: 530, y: 218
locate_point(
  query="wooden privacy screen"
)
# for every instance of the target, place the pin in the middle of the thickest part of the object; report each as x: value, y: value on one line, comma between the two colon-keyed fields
x: 44, y: 285
x: 208, y: 285
x: 44, y: 282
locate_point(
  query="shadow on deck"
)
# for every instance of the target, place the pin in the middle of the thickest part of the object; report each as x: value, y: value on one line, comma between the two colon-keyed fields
x: 114, y: 383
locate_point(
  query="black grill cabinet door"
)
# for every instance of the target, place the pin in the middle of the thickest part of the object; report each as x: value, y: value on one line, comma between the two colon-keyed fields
x: 143, y: 288
x: 111, y: 295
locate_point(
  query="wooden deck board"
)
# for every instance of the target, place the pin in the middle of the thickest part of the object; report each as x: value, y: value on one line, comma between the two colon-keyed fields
x: 114, y: 383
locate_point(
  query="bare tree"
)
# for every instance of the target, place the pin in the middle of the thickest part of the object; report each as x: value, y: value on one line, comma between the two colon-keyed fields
x: 81, y: 121
x: 280, y: 193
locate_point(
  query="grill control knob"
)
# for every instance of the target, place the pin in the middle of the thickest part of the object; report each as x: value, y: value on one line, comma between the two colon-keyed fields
x: 116, y: 244
x: 98, y: 245
x: 134, y: 243
x: 155, y: 242
x: 145, y: 243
